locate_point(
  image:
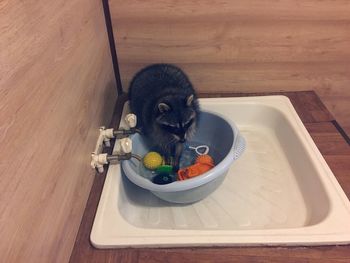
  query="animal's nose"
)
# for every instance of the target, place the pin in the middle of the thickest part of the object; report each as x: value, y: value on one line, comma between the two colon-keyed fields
x: 183, y: 137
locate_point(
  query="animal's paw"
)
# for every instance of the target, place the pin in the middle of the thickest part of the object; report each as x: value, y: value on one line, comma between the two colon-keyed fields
x: 176, y: 168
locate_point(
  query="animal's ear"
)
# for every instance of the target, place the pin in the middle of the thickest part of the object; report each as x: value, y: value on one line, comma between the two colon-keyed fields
x: 189, y: 100
x: 163, y: 107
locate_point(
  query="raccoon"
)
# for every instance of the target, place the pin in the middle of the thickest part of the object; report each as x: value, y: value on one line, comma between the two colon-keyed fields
x: 167, y: 108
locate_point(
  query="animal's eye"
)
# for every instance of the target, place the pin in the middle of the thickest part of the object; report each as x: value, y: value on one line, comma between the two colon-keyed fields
x: 188, y: 124
x: 170, y: 128
x: 172, y: 125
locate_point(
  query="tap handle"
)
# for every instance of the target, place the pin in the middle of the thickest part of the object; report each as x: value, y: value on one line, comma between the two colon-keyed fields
x: 131, y: 120
x: 125, y: 145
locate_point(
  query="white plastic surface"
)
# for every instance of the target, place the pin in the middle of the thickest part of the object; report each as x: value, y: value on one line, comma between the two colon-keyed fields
x: 281, y: 191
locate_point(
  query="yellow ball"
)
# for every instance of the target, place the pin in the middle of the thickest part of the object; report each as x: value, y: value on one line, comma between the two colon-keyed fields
x: 152, y: 160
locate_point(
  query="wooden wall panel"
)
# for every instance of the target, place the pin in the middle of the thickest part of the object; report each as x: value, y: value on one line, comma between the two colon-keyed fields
x: 56, y: 89
x: 242, y: 46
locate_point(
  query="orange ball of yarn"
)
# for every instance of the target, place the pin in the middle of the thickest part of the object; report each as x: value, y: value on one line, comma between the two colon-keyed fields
x: 205, y: 159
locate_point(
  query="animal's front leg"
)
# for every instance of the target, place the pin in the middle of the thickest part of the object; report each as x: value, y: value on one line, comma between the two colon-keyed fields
x: 177, y: 155
x: 168, y: 158
x: 168, y: 154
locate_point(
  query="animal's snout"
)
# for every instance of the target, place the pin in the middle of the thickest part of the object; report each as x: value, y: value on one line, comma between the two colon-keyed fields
x: 183, y: 138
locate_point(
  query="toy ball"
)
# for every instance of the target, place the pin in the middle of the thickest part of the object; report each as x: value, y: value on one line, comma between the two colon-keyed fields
x: 152, y: 160
x: 205, y: 159
x: 163, y: 178
x: 164, y: 168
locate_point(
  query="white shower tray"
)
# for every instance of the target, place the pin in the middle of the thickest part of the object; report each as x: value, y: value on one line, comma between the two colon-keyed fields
x: 280, y: 192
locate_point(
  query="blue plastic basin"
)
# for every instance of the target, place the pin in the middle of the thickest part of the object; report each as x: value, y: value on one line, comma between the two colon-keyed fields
x: 226, y: 145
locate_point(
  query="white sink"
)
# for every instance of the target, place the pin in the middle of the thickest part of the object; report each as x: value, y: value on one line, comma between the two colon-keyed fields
x: 280, y: 192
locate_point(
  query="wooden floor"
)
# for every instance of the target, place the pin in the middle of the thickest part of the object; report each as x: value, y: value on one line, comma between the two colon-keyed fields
x: 329, y: 139
x: 242, y: 45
